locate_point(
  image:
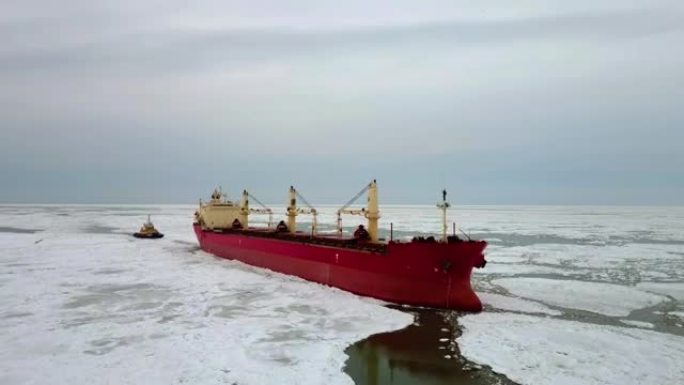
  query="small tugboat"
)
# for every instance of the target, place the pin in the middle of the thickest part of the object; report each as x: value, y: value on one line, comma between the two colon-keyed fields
x: 148, y: 231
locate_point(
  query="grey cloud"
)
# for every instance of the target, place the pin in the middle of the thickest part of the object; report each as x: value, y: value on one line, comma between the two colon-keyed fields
x: 572, y: 104
x: 179, y: 50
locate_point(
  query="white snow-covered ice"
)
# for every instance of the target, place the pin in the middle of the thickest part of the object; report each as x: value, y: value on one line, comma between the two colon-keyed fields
x: 639, y: 324
x: 87, y: 304
x: 624, y: 265
x: 533, y: 350
x: 83, y: 302
x: 503, y: 302
x: 673, y: 289
x: 609, y: 299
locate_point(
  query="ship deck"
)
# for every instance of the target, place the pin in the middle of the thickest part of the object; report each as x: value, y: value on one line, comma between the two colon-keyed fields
x: 332, y: 240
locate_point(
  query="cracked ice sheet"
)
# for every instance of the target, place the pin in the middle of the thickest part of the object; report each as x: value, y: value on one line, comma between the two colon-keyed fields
x: 106, y: 308
x: 535, y: 350
x: 586, y: 223
x: 673, y: 289
x: 514, y: 269
x: 591, y: 256
x: 609, y: 299
x: 639, y: 324
x: 629, y: 263
x: 502, y: 302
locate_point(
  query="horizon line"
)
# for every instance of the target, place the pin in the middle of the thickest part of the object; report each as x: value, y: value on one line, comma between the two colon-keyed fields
x: 339, y: 204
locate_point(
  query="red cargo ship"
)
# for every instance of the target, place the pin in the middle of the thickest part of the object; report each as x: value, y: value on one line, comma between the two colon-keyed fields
x: 422, y: 271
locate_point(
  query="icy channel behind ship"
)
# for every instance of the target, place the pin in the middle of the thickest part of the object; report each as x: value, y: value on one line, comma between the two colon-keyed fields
x: 423, y: 271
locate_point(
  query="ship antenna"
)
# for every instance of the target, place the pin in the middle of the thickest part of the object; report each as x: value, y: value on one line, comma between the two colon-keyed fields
x: 443, y: 206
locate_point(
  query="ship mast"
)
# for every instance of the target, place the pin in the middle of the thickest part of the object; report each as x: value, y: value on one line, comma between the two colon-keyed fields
x: 371, y: 212
x: 293, y: 211
x: 244, y: 209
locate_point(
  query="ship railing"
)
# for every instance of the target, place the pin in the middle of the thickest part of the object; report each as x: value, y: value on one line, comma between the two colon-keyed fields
x: 302, y: 237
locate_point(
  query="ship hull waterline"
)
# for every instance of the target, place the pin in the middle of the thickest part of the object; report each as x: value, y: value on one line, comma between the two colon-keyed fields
x: 420, y: 274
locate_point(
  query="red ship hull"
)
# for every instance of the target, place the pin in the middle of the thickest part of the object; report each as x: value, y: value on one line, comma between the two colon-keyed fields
x: 432, y: 274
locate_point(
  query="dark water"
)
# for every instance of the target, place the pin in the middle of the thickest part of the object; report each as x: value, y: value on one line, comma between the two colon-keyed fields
x: 416, y: 355
x: 16, y: 230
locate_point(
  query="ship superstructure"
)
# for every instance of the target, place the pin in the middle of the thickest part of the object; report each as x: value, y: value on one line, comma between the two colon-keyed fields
x: 423, y: 271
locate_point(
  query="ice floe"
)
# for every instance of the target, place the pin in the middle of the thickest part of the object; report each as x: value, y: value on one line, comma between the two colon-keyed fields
x: 626, y: 264
x: 678, y: 314
x: 640, y: 324
x: 533, y: 350
x: 673, y: 289
x: 511, y: 269
x: 503, y: 302
x: 609, y: 299
x: 86, y: 303
x: 102, y: 308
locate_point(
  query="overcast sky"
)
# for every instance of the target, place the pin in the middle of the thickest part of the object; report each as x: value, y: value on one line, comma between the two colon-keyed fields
x: 501, y: 102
